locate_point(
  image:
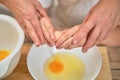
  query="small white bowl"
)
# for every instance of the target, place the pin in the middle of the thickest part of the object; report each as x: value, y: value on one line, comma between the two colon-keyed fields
x: 38, y: 55
x: 11, y: 38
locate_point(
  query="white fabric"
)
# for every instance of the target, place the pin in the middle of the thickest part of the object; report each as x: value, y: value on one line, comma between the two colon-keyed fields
x: 45, y: 3
x: 68, y: 13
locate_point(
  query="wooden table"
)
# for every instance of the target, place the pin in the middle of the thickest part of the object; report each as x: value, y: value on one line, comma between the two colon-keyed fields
x: 21, y: 71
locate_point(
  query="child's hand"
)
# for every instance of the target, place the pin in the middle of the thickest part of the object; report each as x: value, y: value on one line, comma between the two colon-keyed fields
x: 65, y: 38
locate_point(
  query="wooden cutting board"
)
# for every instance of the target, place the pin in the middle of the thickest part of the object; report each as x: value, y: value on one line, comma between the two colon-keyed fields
x: 21, y: 72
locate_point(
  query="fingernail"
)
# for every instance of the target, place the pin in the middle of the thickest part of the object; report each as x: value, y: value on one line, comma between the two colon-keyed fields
x: 58, y: 47
x: 52, y: 44
x: 84, y: 50
x: 37, y: 44
x: 57, y: 44
x: 75, y: 42
x: 52, y: 37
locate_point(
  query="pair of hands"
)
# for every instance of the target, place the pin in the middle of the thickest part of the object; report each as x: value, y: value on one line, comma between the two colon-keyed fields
x: 101, y: 20
x: 63, y: 39
x: 33, y: 18
x: 97, y: 25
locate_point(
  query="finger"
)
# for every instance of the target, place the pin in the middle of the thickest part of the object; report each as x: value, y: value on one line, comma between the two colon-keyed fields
x: 83, y: 31
x: 39, y: 16
x: 69, y: 33
x: 58, y: 34
x: 19, y: 18
x: 91, y: 39
x: 46, y: 42
x: 66, y: 44
x: 80, y: 44
x: 46, y: 33
x: 36, y: 24
x: 50, y: 28
x: 32, y: 32
x: 40, y: 9
x: 25, y: 30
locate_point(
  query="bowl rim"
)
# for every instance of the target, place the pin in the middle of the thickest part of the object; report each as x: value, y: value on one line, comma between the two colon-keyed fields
x: 21, y: 35
x: 93, y: 77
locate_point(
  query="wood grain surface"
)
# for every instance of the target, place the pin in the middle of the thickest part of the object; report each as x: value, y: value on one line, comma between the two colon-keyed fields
x: 114, y: 56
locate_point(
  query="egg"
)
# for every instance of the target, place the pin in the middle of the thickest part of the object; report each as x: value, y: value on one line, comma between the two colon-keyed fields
x: 46, y: 21
x: 4, y: 54
x: 58, y: 34
x: 64, y: 66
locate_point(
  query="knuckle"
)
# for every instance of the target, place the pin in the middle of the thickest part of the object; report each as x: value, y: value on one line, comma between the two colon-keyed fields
x: 40, y: 32
x: 51, y: 32
x: 104, y: 21
x: 100, y: 38
x: 66, y: 44
x: 66, y: 35
x: 30, y: 32
x: 32, y: 37
x: 29, y: 14
x: 79, y: 36
x: 84, y: 31
x: 50, y: 29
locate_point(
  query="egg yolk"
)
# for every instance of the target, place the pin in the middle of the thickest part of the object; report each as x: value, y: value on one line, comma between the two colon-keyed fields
x: 56, y: 66
x: 3, y: 54
x: 64, y: 66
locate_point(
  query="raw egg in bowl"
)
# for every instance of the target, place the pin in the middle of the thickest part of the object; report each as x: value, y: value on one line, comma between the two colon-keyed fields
x: 49, y: 63
x: 11, y: 41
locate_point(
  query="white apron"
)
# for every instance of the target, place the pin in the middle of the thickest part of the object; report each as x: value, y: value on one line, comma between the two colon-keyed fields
x: 68, y: 13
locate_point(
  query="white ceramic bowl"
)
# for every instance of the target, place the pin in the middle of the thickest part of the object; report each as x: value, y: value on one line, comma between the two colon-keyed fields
x: 11, y: 38
x: 38, y: 55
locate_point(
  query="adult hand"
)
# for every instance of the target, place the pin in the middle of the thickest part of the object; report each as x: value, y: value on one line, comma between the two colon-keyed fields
x: 99, y: 23
x: 27, y: 13
x: 113, y: 39
x: 48, y: 31
x: 66, y: 37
